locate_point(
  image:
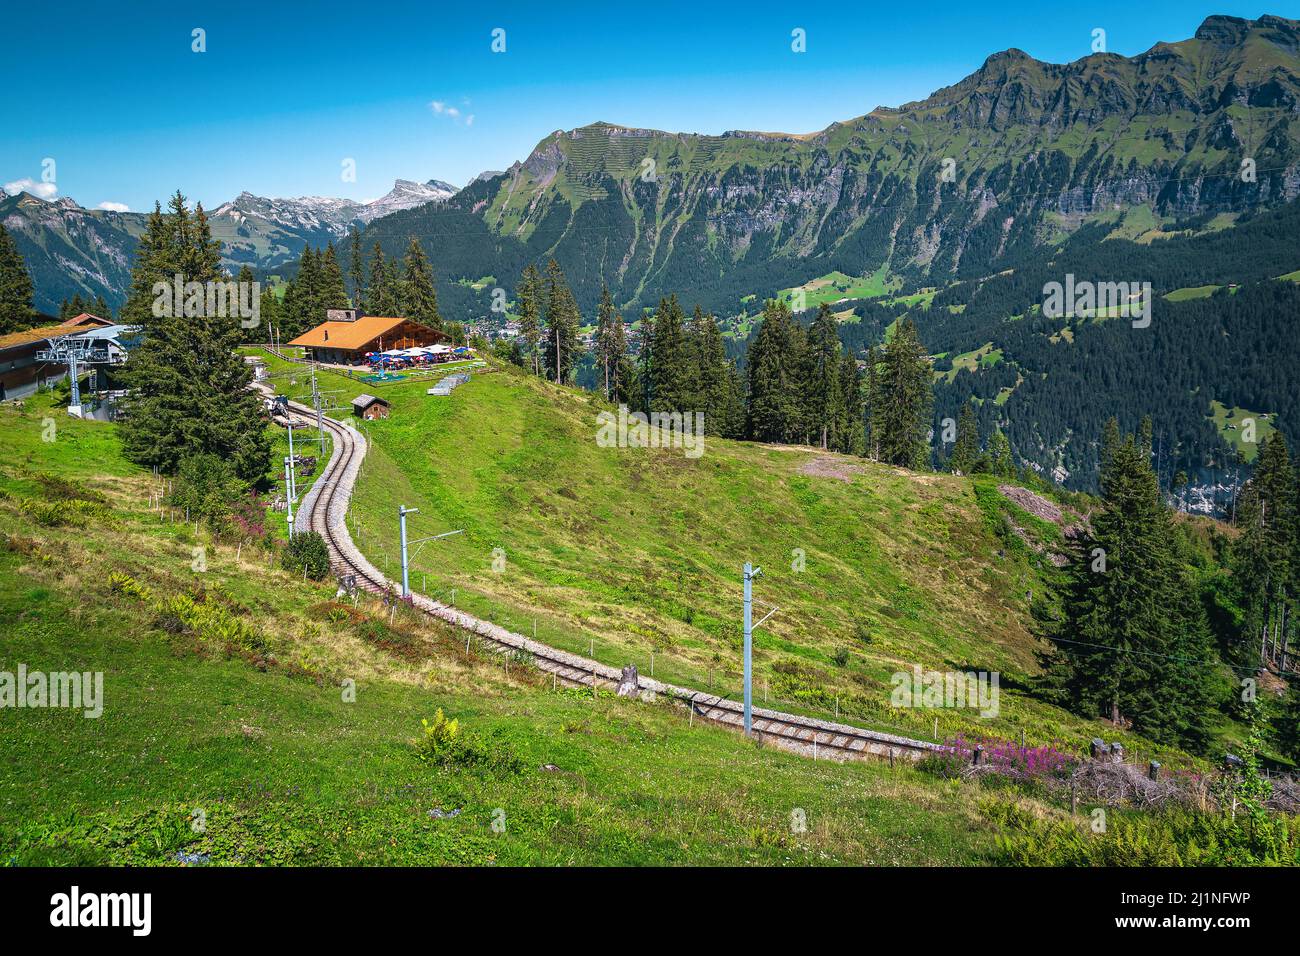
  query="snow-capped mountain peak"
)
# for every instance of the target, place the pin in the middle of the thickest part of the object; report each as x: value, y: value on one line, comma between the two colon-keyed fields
x: 407, y: 194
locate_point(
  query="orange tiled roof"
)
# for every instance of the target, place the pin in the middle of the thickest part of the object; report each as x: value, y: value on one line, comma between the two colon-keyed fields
x: 350, y: 335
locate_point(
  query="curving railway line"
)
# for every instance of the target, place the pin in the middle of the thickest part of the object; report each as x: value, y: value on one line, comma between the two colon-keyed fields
x: 324, y: 508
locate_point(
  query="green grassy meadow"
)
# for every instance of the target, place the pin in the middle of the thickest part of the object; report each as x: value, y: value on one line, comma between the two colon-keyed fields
x: 247, y: 753
x: 633, y: 555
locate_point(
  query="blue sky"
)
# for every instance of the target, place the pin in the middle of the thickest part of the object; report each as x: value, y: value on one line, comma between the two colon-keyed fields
x: 284, y: 93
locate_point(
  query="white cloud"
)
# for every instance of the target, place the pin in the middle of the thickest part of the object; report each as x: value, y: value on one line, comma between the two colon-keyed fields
x: 441, y: 108
x: 45, y: 191
x: 115, y: 206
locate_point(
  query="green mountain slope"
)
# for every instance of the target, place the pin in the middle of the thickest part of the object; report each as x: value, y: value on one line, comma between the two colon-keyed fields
x: 978, y: 177
x: 632, y: 552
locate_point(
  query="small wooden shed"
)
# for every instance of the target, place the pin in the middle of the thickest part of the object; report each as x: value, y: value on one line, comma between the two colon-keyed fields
x: 369, y: 407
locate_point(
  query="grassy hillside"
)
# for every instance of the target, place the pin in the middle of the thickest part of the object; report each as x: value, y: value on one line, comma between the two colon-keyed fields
x: 628, y: 553
x: 250, y: 719
x: 240, y: 714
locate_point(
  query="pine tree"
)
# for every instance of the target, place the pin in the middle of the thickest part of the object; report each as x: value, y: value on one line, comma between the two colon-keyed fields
x: 71, y: 308
x: 900, y: 406
x: 419, y: 298
x: 560, y: 344
x: 529, y: 295
x: 333, y: 293
x: 188, y: 388
x: 101, y: 308
x: 606, y: 343
x: 672, y: 384
x: 1263, y: 555
x: 966, y: 450
x: 1133, y: 642
x: 871, y: 389
x: 718, y: 386
x: 16, y: 312
x: 999, y: 455
x: 382, y: 296
x: 301, y: 308
x: 823, y: 397
x: 356, y: 270
x: 613, y: 365
x: 153, y: 262
x: 851, y: 431
x: 270, y: 311
x: 624, y: 380
x: 776, y: 373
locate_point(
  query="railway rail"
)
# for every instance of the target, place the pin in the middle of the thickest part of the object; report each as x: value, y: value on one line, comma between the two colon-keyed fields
x: 324, y: 508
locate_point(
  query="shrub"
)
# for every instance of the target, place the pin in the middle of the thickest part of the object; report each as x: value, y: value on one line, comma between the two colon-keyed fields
x: 307, y: 551
x: 1004, y: 758
x: 440, y: 742
x: 444, y: 744
x: 206, y: 486
x: 246, y: 519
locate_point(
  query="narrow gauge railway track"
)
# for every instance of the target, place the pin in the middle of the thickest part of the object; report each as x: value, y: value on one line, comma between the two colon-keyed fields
x: 324, y: 508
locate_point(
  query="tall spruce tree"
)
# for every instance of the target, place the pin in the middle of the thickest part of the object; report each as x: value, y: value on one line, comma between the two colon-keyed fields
x: 270, y: 309
x: 530, y: 295
x: 188, y: 388
x: 356, y: 270
x: 419, y: 298
x: 1263, y: 556
x: 966, y: 450
x: 606, y: 343
x: 777, y: 368
x: 333, y: 292
x: 16, y: 312
x: 719, y: 390
x: 672, y: 384
x: 851, y: 431
x: 1000, y: 462
x: 824, y: 399
x: 560, y: 342
x: 382, y: 296
x: 1132, y: 643
x: 903, y: 398
x: 302, y: 300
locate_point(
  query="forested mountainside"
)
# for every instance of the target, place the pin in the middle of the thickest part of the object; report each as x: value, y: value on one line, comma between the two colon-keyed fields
x: 982, y: 176
x: 1224, y: 307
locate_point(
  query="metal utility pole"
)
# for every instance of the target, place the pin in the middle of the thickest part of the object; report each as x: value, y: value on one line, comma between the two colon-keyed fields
x: 293, y: 481
x: 402, y: 512
x: 316, y: 401
x: 72, y: 374
x: 288, y: 502
x: 751, y: 573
